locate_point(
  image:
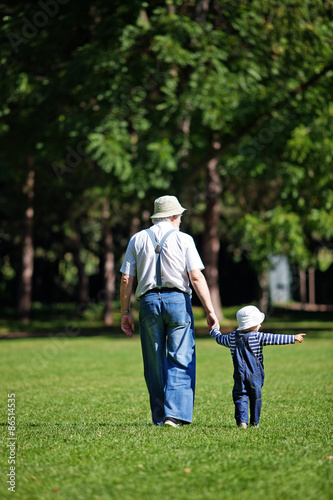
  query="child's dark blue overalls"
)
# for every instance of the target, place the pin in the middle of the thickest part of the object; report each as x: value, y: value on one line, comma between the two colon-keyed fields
x: 249, y: 379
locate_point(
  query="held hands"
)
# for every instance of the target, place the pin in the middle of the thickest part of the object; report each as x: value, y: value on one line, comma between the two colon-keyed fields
x: 212, y: 321
x: 299, y: 337
x: 127, y: 324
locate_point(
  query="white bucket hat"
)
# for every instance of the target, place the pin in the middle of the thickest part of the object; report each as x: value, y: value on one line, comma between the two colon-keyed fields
x: 249, y: 316
x: 167, y: 206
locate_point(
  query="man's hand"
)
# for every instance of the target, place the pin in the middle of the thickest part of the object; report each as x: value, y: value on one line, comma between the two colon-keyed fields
x: 127, y: 324
x: 299, y: 337
x: 212, y: 321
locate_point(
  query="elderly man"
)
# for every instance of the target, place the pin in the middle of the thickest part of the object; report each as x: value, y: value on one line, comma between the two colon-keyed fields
x: 164, y: 260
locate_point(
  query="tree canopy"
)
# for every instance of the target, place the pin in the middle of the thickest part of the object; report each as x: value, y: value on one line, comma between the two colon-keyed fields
x: 226, y: 104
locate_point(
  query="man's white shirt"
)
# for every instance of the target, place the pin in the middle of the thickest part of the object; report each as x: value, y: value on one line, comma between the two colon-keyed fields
x: 179, y: 256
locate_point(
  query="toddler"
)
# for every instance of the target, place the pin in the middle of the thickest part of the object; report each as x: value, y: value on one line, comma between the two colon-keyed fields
x: 246, y: 346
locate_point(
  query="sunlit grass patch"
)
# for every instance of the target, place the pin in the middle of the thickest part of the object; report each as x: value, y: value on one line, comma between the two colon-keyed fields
x: 84, y: 428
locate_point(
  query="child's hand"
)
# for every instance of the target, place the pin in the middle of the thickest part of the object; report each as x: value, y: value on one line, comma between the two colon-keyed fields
x: 299, y: 337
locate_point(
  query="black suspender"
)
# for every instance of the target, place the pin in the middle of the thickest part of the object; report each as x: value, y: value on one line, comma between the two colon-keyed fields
x: 158, y: 249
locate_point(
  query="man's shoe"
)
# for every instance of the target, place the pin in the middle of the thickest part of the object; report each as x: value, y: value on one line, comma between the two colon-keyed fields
x: 242, y: 425
x: 172, y: 422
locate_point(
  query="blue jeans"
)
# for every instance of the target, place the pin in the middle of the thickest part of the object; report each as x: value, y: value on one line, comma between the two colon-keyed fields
x: 168, y: 349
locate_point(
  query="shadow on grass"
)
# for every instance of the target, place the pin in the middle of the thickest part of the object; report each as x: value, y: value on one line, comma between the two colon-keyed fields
x: 62, y: 321
x: 201, y: 333
x: 113, y: 332
x: 137, y: 425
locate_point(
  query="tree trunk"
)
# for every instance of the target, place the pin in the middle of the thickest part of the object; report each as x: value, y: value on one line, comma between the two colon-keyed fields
x: 83, y: 286
x: 211, y: 243
x: 264, y: 286
x: 25, y: 285
x: 302, y: 285
x: 109, y: 273
x: 201, y: 9
x: 312, y: 292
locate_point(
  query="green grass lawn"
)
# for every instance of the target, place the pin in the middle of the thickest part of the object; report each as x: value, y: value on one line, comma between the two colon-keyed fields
x: 84, y: 431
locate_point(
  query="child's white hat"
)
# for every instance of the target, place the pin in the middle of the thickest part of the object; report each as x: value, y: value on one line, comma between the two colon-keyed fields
x: 249, y: 316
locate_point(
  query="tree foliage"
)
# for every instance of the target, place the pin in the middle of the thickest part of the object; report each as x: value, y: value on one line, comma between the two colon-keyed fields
x: 127, y: 101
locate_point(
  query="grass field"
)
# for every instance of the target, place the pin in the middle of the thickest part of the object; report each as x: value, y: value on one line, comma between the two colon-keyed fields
x: 84, y: 432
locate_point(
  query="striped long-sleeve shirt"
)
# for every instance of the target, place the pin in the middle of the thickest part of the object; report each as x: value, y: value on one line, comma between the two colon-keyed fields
x: 256, y: 341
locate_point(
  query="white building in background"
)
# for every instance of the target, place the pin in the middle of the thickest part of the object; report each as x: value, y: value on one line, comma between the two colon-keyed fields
x: 280, y: 280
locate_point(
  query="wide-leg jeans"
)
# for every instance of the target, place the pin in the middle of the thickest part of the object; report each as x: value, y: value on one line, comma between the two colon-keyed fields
x: 168, y: 349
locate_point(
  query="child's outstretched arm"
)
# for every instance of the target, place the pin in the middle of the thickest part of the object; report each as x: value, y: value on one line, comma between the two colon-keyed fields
x: 278, y: 339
